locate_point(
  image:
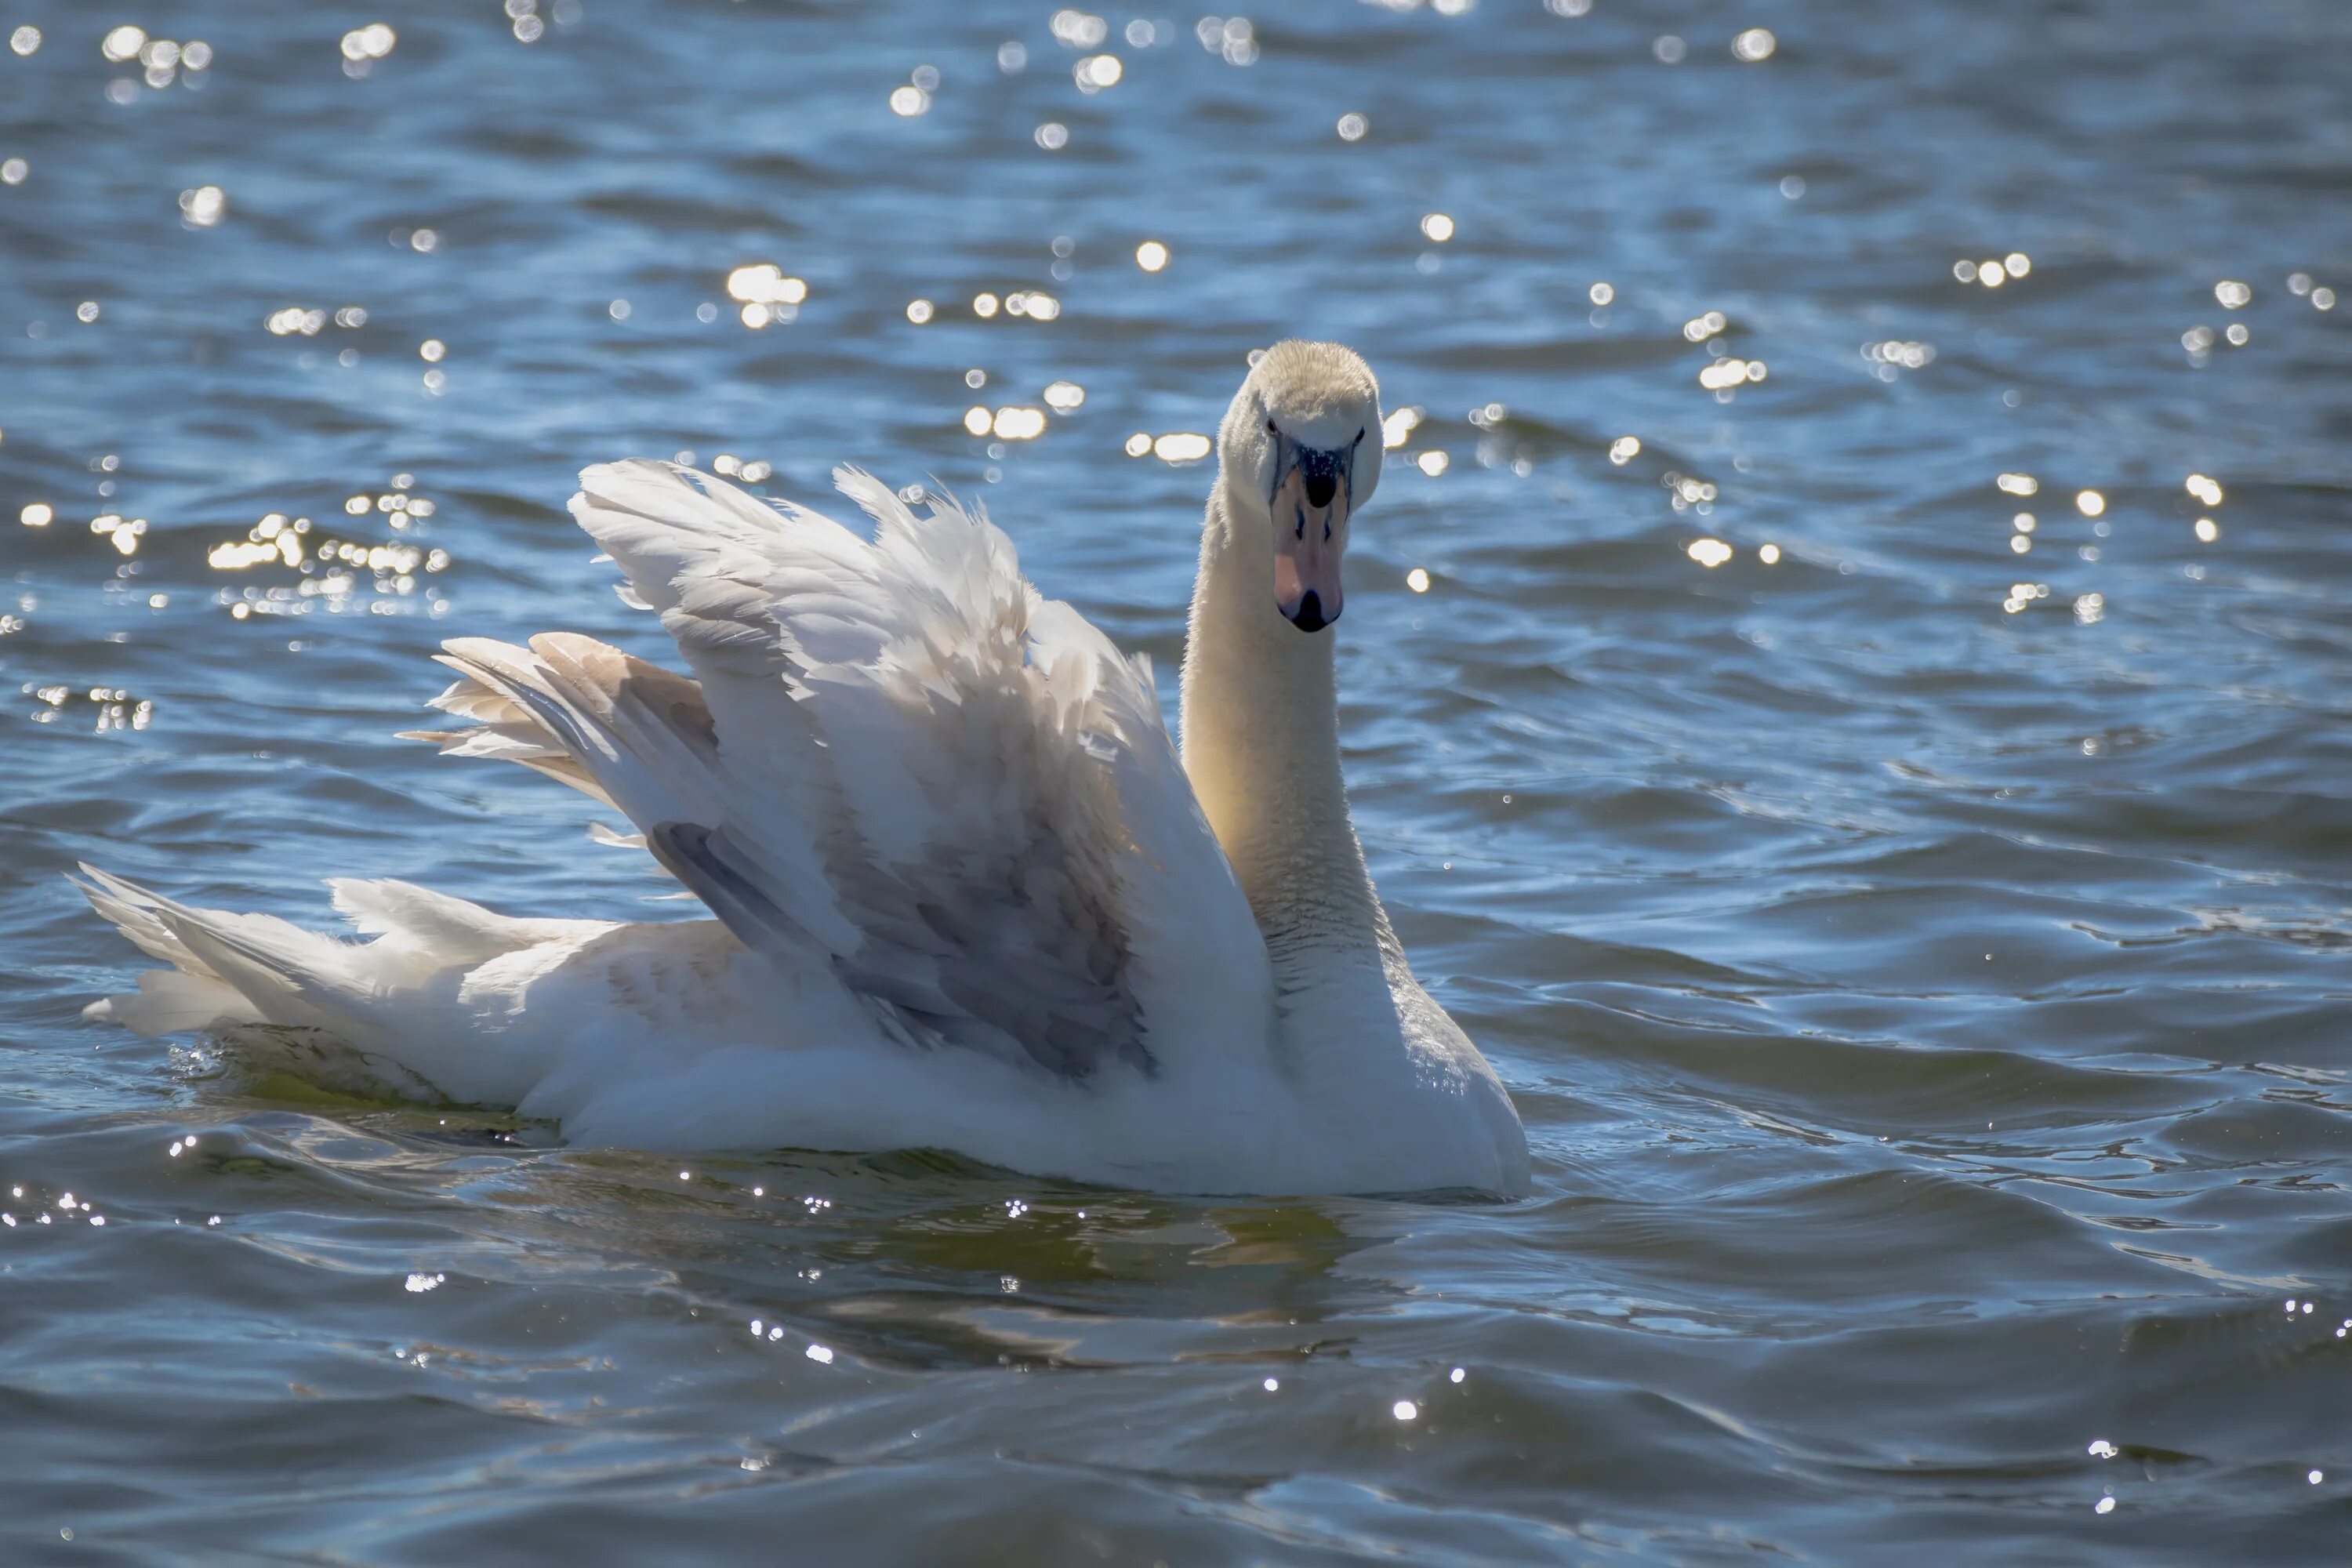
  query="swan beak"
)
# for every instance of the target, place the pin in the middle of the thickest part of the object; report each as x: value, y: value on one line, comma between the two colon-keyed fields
x: 1309, y: 508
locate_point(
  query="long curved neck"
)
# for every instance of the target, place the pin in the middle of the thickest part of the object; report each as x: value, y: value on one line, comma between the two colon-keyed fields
x: 1261, y: 743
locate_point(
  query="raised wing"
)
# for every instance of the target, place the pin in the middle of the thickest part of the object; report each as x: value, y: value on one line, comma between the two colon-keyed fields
x: 899, y: 755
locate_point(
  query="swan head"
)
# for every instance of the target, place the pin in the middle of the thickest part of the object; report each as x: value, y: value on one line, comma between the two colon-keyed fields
x: 1299, y: 451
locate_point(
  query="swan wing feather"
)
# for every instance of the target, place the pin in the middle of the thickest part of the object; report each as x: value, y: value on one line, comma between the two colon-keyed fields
x: 983, y: 781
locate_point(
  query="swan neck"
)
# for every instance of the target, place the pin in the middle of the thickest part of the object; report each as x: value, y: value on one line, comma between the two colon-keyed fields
x: 1261, y: 745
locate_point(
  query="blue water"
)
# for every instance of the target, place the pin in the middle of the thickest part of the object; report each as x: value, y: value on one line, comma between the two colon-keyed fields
x: 1920, y: 962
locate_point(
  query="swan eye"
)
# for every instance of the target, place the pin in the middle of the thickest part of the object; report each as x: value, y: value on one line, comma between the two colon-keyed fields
x: 1272, y: 429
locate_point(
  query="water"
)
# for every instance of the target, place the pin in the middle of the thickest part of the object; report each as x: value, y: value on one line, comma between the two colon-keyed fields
x: 1920, y: 964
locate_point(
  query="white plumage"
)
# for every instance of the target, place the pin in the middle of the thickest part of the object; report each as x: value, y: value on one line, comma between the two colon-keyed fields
x: 965, y: 896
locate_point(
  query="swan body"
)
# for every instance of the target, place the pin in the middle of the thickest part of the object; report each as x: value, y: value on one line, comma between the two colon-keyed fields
x: 963, y: 892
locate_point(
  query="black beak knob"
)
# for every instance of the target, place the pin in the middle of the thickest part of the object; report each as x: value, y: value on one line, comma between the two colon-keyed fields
x: 1321, y: 488
x: 1308, y: 617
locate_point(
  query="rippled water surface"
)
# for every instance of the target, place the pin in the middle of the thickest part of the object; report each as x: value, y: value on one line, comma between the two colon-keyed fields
x: 1918, y: 942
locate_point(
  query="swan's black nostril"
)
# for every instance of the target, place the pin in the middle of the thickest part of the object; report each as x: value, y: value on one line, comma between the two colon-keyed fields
x: 1321, y: 488
x: 1308, y: 616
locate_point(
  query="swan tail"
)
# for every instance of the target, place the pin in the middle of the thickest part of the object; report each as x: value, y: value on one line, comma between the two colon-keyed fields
x: 173, y: 1002
x: 383, y: 1016
x: 226, y: 969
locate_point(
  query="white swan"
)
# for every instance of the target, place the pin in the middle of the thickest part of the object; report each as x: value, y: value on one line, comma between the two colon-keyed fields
x: 966, y: 894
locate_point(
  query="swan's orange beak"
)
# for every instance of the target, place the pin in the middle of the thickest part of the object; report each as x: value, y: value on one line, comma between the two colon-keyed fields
x: 1309, y: 508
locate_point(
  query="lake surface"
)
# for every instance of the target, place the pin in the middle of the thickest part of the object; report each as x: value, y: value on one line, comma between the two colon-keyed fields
x: 1920, y: 943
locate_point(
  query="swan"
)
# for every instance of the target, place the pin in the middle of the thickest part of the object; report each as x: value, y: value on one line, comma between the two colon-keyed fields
x: 962, y: 892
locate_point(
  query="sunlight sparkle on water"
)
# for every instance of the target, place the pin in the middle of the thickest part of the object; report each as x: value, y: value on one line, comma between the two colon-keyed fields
x: 372, y: 42
x: 1019, y: 423
x: 1182, y: 447
x: 1233, y: 39
x: 204, y: 206
x: 1895, y: 354
x: 1076, y: 29
x: 764, y: 283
